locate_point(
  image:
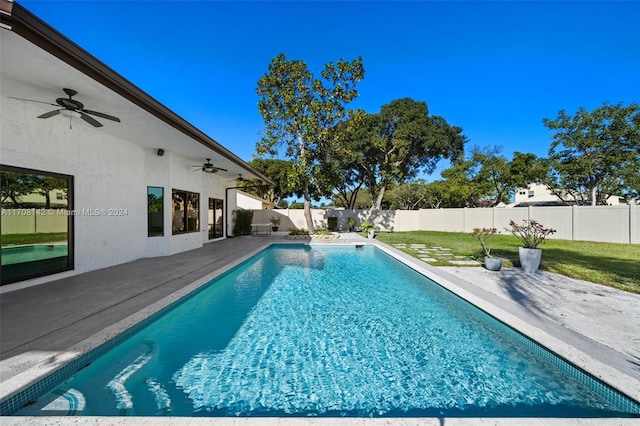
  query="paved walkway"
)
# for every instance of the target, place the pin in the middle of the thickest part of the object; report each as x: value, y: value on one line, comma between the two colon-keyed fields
x: 40, y: 322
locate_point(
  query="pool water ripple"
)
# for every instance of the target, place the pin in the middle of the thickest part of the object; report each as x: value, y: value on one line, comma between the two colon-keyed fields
x: 356, y: 339
x: 329, y: 331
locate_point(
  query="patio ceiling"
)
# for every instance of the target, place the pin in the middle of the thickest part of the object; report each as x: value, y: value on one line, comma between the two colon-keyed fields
x: 37, y: 62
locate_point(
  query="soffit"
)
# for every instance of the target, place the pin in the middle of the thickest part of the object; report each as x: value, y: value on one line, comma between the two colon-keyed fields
x: 29, y: 71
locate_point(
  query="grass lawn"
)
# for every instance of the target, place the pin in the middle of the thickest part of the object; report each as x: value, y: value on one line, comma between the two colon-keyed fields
x: 17, y: 239
x: 614, y: 265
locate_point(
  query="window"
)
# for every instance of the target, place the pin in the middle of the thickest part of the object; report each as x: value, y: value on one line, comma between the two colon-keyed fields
x: 155, y: 211
x: 186, y: 212
x: 37, y: 224
x: 216, y: 220
x: 531, y: 194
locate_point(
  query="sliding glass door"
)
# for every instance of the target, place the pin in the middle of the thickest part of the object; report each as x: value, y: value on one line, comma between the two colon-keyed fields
x: 37, y: 223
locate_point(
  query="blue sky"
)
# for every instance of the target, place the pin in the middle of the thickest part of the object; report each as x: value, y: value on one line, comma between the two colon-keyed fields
x: 496, y: 69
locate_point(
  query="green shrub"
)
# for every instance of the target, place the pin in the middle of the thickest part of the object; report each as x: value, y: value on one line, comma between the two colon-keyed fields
x: 367, y: 226
x: 242, y: 222
x: 296, y: 231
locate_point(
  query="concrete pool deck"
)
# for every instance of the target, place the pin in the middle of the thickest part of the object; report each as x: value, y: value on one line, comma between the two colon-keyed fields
x: 43, y: 326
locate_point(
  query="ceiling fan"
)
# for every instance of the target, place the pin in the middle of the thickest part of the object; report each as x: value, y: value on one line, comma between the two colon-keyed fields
x: 70, y: 104
x: 209, y: 168
x: 239, y: 178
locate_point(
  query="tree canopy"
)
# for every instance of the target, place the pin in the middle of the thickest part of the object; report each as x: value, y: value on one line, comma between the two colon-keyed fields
x: 299, y: 111
x: 595, y: 155
x: 486, y: 177
x: 16, y: 185
x: 278, y: 171
x: 396, y: 144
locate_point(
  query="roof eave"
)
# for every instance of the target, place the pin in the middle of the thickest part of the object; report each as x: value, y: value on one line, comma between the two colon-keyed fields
x: 22, y: 22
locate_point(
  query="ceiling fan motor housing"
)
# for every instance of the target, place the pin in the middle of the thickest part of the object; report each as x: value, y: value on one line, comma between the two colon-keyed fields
x: 69, y: 103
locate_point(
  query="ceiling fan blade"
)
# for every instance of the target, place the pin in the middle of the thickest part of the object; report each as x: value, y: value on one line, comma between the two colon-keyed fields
x: 101, y: 115
x: 31, y: 100
x: 50, y: 113
x: 221, y: 169
x: 90, y: 120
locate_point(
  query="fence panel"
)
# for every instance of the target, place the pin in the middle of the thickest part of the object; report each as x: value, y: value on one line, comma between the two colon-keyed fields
x: 617, y: 224
x: 33, y: 221
x: 407, y: 220
x: 16, y: 221
x: 602, y: 223
x: 558, y: 218
x: 431, y: 220
x: 502, y: 217
x: 478, y: 218
x: 453, y: 220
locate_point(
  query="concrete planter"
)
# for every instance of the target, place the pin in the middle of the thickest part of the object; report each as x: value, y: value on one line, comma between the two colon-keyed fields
x: 529, y: 259
x: 493, y: 263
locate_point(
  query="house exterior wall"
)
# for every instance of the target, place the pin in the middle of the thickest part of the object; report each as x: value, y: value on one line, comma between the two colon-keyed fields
x: 110, y: 178
x: 540, y: 193
x: 249, y: 203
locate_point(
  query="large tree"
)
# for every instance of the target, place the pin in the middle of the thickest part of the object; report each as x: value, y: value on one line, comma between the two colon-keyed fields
x: 504, y: 177
x: 399, y: 142
x: 15, y: 185
x: 299, y: 111
x: 412, y: 195
x: 487, y: 178
x: 278, y: 172
x: 594, y: 155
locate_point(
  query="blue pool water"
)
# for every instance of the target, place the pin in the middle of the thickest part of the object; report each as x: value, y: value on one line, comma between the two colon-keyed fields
x: 12, y: 255
x: 331, y: 331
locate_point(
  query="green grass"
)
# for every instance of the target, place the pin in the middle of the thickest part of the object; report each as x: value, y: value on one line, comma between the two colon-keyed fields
x: 17, y: 239
x: 614, y: 265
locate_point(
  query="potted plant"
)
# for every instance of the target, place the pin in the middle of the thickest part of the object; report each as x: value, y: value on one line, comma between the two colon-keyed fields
x: 368, y: 228
x: 275, y: 221
x: 351, y: 223
x: 532, y: 234
x: 485, y: 237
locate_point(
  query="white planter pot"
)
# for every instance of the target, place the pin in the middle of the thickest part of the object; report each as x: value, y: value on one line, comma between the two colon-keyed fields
x: 529, y: 259
x: 371, y: 234
x: 493, y: 263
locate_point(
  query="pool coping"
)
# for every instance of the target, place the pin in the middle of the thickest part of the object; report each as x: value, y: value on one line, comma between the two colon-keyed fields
x: 630, y: 386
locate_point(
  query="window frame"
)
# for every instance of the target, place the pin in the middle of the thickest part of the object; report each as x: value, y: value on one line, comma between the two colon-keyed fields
x: 150, y: 233
x: 70, y: 262
x: 187, y: 212
x: 214, y: 205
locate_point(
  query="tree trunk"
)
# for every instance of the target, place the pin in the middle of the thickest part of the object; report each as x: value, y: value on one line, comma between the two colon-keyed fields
x: 307, y: 197
x: 307, y: 210
x: 378, y: 203
x: 593, y: 196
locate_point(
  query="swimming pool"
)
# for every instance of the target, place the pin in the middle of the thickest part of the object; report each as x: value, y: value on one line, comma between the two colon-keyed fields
x: 30, y: 253
x: 299, y: 331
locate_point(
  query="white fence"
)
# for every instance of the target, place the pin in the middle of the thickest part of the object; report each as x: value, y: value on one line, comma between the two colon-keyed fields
x: 616, y: 224
x: 33, y: 221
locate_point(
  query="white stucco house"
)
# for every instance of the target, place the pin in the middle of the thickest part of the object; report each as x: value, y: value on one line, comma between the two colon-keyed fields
x: 538, y: 194
x: 133, y: 188
x: 252, y: 202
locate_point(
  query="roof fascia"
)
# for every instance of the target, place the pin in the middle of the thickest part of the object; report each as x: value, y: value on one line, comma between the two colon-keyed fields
x: 27, y: 25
